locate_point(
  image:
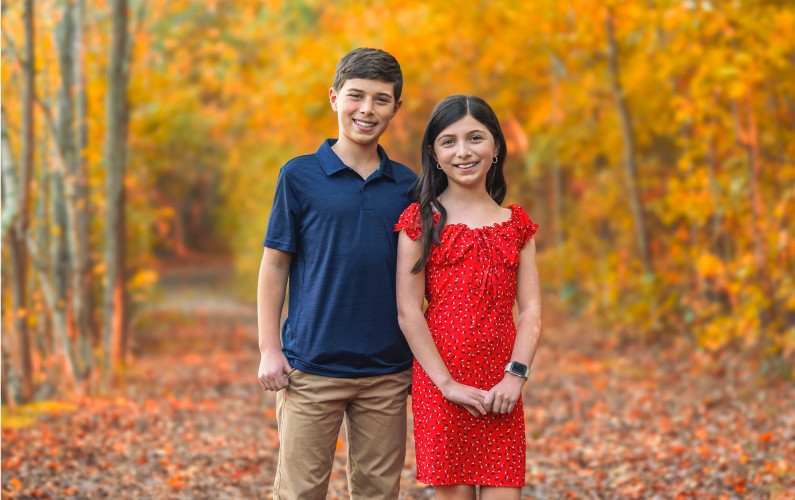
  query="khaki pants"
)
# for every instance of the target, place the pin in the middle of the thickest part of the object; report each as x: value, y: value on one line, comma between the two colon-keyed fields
x: 309, y: 413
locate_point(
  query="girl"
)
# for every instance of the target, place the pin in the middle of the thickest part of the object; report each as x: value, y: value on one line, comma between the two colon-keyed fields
x: 472, y: 259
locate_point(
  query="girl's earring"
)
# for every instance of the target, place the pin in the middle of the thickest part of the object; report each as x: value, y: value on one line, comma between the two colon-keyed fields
x: 495, y: 160
x: 438, y: 166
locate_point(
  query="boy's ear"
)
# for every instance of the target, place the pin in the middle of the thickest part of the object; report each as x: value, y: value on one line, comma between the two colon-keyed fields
x: 397, y: 107
x: 332, y: 97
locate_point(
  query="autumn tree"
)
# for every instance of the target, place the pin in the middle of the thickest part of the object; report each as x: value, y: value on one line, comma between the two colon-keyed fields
x: 115, y: 158
x: 19, y: 208
x: 651, y: 140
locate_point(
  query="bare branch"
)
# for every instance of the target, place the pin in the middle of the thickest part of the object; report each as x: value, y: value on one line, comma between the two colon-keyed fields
x: 60, y: 163
x: 41, y: 271
x: 11, y: 46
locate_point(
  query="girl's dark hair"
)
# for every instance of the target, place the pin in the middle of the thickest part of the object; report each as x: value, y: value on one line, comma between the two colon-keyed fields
x: 433, y: 181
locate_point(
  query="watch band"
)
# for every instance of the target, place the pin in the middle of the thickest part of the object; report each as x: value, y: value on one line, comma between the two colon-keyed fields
x: 518, y: 369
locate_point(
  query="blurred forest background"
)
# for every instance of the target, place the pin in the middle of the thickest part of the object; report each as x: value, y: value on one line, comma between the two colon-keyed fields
x: 652, y: 140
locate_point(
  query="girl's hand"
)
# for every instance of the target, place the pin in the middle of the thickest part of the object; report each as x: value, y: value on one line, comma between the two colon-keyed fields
x: 471, y: 398
x: 502, y: 397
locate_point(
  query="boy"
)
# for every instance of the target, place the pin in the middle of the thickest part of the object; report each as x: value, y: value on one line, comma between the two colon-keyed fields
x: 340, y: 355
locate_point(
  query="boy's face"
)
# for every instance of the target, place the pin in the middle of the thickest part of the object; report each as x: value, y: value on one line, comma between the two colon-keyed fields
x: 364, y: 109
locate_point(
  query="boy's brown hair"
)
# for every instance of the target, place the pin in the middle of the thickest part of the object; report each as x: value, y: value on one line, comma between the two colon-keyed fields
x: 370, y: 64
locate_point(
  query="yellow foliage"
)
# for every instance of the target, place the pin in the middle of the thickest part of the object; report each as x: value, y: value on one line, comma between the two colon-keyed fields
x: 141, y: 283
x: 26, y: 415
x: 230, y: 91
x: 709, y: 266
x: 142, y: 278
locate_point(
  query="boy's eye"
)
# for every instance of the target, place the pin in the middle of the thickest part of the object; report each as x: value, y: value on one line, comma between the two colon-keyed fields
x: 383, y: 100
x: 355, y: 96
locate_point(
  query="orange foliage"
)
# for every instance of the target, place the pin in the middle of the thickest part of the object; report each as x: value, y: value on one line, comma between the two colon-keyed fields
x: 224, y: 93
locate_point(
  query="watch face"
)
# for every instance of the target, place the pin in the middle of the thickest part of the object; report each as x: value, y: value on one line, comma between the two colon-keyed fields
x: 518, y: 368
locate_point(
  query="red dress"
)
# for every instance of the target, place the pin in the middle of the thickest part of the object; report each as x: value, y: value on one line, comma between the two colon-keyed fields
x: 470, y: 284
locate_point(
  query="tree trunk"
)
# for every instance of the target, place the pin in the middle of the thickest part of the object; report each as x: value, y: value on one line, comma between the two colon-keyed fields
x: 70, y: 154
x: 9, y: 184
x: 115, y: 155
x: 556, y: 117
x: 44, y: 337
x: 82, y: 193
x: 19, y: 231
x: 51, y: 286
x: 748, y: 135
x: 59, y: 263
x: 28, y: 124
x: 10, y: 382
x: 718, y: 238
x: 699, y: 285
x: 50, y: 289
x: 641, y: 236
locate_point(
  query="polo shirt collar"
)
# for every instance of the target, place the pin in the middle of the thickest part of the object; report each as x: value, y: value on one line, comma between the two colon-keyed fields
x: 332, y: 164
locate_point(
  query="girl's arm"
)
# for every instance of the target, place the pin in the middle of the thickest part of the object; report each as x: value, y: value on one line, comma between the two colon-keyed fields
x: 410, y: 295
x: 505, y: 394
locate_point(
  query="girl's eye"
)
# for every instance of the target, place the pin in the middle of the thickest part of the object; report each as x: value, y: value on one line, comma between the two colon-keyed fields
x: 476, y: 138
x: 446, y: 142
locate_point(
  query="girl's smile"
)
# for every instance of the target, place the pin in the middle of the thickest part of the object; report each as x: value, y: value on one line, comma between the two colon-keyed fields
x: 465, y: 150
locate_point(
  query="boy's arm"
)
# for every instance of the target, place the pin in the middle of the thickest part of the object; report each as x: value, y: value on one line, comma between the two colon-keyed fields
x: 274, y: 271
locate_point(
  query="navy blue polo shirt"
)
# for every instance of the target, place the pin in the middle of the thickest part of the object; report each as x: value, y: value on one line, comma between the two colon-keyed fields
x: 342, y: 306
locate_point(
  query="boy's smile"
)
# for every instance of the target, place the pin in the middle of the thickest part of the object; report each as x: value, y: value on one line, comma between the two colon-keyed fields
x: 365, y: 126
x: 364, y: 109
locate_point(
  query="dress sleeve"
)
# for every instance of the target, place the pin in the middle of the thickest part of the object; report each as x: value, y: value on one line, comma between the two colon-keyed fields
x: 526, y: 228
x: 410, y: 221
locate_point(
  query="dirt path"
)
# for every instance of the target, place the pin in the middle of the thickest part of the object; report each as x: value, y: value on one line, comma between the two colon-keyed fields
x: 604, y: 421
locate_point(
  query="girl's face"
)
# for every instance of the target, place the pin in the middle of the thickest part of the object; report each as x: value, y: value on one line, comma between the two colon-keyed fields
x: 465, y: 151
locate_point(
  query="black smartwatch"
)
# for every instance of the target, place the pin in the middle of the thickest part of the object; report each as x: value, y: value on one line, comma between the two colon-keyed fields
x: 518, y: 369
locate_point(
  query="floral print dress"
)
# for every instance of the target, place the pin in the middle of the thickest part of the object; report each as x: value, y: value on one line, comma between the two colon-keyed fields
x: 470, y: 285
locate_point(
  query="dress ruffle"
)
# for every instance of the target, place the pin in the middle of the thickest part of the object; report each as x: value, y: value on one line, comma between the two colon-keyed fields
x: 410, y: 221
x: 502, y: 241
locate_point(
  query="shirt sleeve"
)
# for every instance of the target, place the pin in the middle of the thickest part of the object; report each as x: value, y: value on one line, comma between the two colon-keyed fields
x: 284, y: 222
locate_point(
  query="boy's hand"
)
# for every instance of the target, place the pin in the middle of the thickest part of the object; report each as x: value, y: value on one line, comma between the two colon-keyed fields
x: 503, y: 397
x: 273, y: 370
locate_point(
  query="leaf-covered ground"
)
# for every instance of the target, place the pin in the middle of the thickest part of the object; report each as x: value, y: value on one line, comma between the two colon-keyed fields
x: 603, y: 420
